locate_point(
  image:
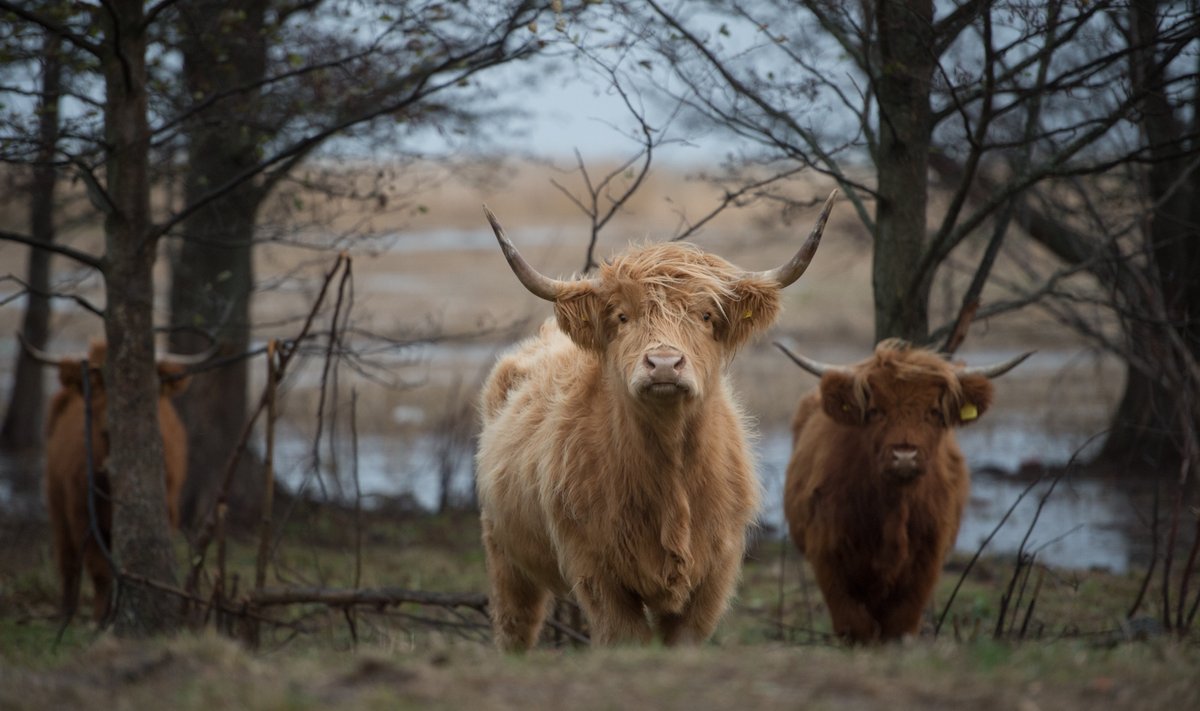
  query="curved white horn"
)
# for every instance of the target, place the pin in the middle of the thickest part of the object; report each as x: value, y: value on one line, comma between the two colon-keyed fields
x: 537, y: 283
x: 36, y: 353
x: 190, y: 358
x: 815, y: 367
x: 997, y: 369
x: 790, y: 272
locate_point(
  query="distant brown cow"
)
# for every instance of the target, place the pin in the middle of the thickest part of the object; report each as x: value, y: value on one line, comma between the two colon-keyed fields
x: 66, y: 470
x: 613, y: 463
x: 876, y: 483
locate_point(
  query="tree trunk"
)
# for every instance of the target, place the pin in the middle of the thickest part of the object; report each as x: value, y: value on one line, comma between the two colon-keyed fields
x: 1140, y: 435
x: 213, y: 277
x: 1148, y: 415
x: 905, y: 64
x: 23, y: 427
x: 140, y: 534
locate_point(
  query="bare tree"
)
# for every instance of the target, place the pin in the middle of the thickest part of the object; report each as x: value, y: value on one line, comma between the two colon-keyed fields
x: 267, y: 84
x: 1006, y: 103
x: 1129, y: 221
x: 125, y: 42
x: 828, y: 85
x: 23, y: 421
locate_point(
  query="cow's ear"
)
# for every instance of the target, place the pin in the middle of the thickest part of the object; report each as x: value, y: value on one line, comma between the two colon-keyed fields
x: 976, y: 399
x: 840, y: 398
x: 70, y: 374
x: 172, y: 379
x: 751, y: 307
x: 580, y: 313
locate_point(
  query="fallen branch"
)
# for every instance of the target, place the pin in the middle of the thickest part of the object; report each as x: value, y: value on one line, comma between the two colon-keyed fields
x: 381, y: 597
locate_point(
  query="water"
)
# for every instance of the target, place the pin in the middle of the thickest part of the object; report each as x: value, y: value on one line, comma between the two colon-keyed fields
x: 389, y: 467
x: 1047, y: 412
x: 1083, y: 523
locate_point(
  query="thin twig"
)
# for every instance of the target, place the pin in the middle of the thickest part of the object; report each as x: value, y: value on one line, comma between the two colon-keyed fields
x: 358, y: 532
x: 1169, y: 548
x: 264, y: 541
x: 979, y: 552
x: 381, y: 597
x: 1037, y: 589
x: 200, y: 547
x: 332, y: 347
x: 1137, y: 601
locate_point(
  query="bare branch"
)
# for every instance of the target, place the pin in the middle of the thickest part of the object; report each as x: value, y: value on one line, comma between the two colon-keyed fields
x: 378, y: 597
x: 52, y: 25
x: 82, y: 257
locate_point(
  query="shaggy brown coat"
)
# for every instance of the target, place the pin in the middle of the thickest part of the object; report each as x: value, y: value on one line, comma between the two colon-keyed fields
x: 876, y: 485
x: 598, y: 480
x: 66, y: 474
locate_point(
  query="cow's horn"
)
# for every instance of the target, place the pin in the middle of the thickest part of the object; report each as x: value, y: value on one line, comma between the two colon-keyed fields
x: 815, y: 367
x: 37, y: 354
x: 791, y: 271
x: 998, y: 369
x: 537, y: 283
x: 189, y: 359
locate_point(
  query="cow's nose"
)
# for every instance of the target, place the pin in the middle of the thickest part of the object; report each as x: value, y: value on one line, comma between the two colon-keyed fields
x: 664, y: 364
x: 904, y: 458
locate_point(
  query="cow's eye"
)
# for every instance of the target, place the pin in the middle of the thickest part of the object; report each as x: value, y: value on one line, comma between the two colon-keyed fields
x: 622, y: 318
x: 874, y: 414
x: 935, y: 416
x: 707, y: 316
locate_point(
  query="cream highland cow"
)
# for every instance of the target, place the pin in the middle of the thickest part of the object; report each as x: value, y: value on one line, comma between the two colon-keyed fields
x: 613, y: 465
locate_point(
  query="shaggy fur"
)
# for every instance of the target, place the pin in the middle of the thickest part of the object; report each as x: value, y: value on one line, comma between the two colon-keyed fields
x: 594, y: 484
x: 874, y: 532
x: 66, y: 474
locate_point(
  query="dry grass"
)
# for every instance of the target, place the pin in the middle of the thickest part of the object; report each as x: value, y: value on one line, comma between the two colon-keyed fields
x: 209, y: 672
x: 411, y: 285
x: 755, y: 662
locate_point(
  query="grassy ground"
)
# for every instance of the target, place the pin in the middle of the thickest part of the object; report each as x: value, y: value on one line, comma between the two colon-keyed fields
x: 771, y: 649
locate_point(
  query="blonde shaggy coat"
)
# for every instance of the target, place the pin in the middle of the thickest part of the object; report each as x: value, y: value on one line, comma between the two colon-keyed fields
x: 594, y: 482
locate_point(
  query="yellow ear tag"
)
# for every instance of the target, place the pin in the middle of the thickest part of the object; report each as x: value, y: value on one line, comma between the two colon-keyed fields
x: 748, y: 314
x: 968, y: 412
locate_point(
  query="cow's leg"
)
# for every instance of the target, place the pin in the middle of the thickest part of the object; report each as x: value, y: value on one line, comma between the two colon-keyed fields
x: 101, y: 575
x: 615, y: 615
x: 67, y: 553
x: 903, y: 612
x: 902, y: 616
x: 174, y: 484
x: 70, y: 572
x: 852, y: 618
x: 518, y: 604
x: 699, y: 618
